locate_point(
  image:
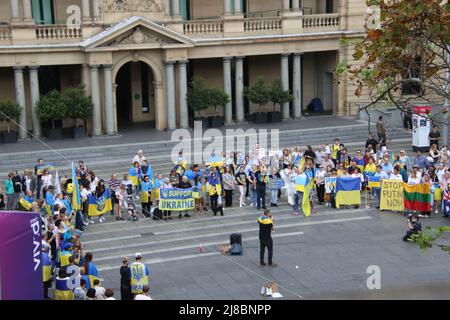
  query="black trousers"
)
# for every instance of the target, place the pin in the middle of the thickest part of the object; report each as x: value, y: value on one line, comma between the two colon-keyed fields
x: 146, y: 208
x: 247, y: 188
x: 407, y: 122
x: 125, y: 293
x: 228, y: 198
x: 47, y: 285
x: 213, y: 200
x: 262, y: 249
x: 167, y: 213
x: 408, y: 235
x: 320, y: 192
x: 261, y: 197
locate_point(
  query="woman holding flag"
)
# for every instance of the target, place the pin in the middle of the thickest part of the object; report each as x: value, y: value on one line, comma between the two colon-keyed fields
x: 146, y: 195
x: 135, y: 176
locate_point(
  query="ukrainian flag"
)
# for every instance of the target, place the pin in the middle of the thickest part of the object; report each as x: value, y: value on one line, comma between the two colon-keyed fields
x: 26, y: 202
x: 62, y: 291
x: 306, y: 204
x: 101, y: 205
x: 215, y: 161
x: 46, y: 267
x: 76, y: 199
x: 134, y: 177
x: 92, y: 274
x: 348, y: 191
x: 64, y: 257
x: 49, y: 203
x: 145, y: 188
x: 374, y: 182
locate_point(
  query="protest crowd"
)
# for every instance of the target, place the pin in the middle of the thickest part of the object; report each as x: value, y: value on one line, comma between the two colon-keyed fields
x: 307, y: 179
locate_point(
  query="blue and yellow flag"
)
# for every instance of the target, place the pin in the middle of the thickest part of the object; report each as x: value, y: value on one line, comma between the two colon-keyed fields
x: 62, y: 291
x: 374, y: 182
x: 46, y: 267
x: 76, y: 199
x: 348, y: 191
x: 101, y: 205
x: 49, y: 203
x: 134, y: 177
x: 64, y: 257
x: 92, y: 274
x: 306, y: 204
x: 215, y: 161
x: 26, y: 202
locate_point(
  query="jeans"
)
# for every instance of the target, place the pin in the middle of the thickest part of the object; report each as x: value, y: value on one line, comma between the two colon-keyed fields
x: 274, y: 196
x: 242, y: 190
x: 38, y: 188
x: 253, y: 196
x: 378, y: 195
x: 262, y: 249
x: 261, y: 197
x: 10, y: 202
x: 298, y: 200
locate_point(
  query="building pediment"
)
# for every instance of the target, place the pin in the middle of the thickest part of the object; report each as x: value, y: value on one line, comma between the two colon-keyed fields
x: 136, y: 31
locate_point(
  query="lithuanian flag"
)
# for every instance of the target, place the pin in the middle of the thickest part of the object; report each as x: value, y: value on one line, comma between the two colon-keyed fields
x: 417, y: 197
x: 348, y: 191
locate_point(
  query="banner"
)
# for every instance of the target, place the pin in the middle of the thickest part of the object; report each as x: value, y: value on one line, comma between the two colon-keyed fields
x: 392, y: 195
x: 40, y: 168
x: 76, y: 199
x: 20, y: 256
x: 173, y: 199
x: 417, y: 197
x: 101, y: 205
x: 348, y: 191
x: 330, y: 184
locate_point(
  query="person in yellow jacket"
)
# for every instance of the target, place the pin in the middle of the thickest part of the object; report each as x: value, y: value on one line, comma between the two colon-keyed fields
x: 138, y: 275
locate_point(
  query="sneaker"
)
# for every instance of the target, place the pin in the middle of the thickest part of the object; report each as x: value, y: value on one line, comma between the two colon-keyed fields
x: 272, y: 205
x: 244, y: 204
x: 275, y: 205
x: 100, y: 220
x: 91, y: 221
x: 86, y: 223
x: 187, y: 216
x: 262, y: 264
x: 436, y: 211
x: 273, y: 264
x: 122, y: 219
x: 251, y: 204
x: 179, y: 216
x: 240, y: 206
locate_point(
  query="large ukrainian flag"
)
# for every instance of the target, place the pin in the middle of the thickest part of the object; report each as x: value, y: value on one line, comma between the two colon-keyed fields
x: 101, y: 205
x: 348, y: 191
x: 62, y: 291
x: 76, y: 199
x: 46, y: 267
x: 134, y: 177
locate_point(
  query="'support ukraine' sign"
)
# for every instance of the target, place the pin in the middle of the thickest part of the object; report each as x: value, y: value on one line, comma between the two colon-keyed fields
x: 392, y: 195
x: 176, y: 199
x: 20, y: 256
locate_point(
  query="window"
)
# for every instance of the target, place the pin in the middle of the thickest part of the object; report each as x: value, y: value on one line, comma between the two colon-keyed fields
x: 43, y: 11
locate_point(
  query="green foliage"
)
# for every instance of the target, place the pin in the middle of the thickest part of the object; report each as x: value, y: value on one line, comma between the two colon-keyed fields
x: 428, y: 237
x: 278, y: 95
x: 218, y: 97
x: 259, y: 93
x: 78, y: 105
x: 198, y: 97
x: 52, y: 107
x: 9, y: 111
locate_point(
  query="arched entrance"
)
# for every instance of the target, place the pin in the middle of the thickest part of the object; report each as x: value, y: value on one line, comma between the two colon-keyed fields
x: 135, y: 95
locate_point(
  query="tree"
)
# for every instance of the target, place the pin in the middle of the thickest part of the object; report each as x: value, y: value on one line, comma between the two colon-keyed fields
x: 51, y: 107
x: 198, y: 97
x: 218, y: 97
x: 9, y: 112
x: 78, y: 105
x: 278, y: 95
x: 406, y: 46
x: 259, y: 93
x: 429, y: 237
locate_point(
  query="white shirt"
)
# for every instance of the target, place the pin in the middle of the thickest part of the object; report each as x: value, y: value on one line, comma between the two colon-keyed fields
x: 139, y: 159
x: 396, y: 177
x: 320, y: 176
x: 47, y: 180
x: 27, y: 184
x: 327, y: 150
x: 413, y: 181
x: 110, y: 298
x: 142, y: 297
x: 99, y: 292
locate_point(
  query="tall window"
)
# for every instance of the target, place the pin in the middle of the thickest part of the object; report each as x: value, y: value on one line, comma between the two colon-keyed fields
x: 43, y: 11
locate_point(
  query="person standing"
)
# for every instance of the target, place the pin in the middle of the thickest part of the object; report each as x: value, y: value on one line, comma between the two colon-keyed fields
x: 265, y: 238
x: 407, y: 117
x: 320, y: 183
x: 38, y: 170
x: 146, y: 196
x: 138, y: 275
x: 29, y: 182
x: 9, y: 191
x: 434, y: 136
x: 301, y: 180
x: 81, y: 172
x: 275, y: 185
x: 241, y: 178
x: 114, y: 185
x: 139, y: 158
x: 125, y: 280
x: 381, y: 130
x: 17, y: 184
x: 184, y: 184
x: 229, y: 183
x: 261, y: 178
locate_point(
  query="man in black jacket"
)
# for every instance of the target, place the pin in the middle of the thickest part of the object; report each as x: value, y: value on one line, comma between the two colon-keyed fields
x: 17, y: 184
x: 265, y: 238
x: 371, y: 141
x: 184, y: 184
x: 125, y: 280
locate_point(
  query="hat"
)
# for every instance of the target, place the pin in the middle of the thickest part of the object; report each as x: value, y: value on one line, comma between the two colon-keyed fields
x: 138, y: 255
x: 77, y: 233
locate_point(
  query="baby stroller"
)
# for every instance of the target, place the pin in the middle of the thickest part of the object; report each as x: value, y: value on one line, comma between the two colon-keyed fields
x: 131, y: 208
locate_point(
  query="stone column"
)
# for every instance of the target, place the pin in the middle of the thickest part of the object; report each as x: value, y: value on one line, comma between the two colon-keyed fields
x: 27, y: 15
x: 297, y: 83
x: 182, y: 85
x: 170, y: 96
x: 85, y: 79
x: 167, y: 10
x: 286, y: 5
x: 239, y: 82
x: 237, y: 7
x: 175, y: 8
x: 85, y: 10
x: 96, y: 9
x: 20, y: 98
x: 109, y: 112
x: 295, y: 4
x: 15, y: 10
x: 34, y: 94
x: 227, y: 89
x: 227, y: 7
x: 285, y: 81
x: 95, y: 94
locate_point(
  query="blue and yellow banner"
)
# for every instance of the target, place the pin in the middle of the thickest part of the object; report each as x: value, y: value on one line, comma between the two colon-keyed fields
x: 40, y: 168
x: 76, y: 199
x: 26, y: 202
x: 215, y: 161
x: 374, y: 182
x: 348, y: 191
x: 174, y: 199
x: 62, y: 291
x: 134, y: 176
x: 101, y: 205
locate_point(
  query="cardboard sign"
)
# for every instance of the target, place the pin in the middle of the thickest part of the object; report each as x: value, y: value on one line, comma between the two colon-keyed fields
x: 392, y: 195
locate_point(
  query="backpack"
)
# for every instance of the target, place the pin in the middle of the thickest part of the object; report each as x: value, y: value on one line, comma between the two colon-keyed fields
x: 236, y: 250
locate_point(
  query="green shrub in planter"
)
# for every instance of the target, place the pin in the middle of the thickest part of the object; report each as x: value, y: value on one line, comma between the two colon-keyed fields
x: 9, y: 112
x: 278, y: 96
x: 51, y: 108
x: 218, y: 98
x: 258, y: 94
x: 198, y: 99
x: 79, y: 107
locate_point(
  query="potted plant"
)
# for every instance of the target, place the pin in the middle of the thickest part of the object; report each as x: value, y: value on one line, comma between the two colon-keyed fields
x: 198, y: 99
x: 258, y: 94
x: 278, y: 96
x: 51, y: 108
x: 9, y: 111
x: 217, y: 98
x: 79, y: 109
